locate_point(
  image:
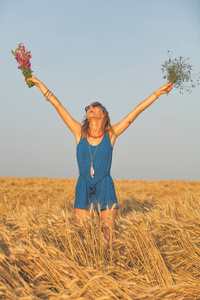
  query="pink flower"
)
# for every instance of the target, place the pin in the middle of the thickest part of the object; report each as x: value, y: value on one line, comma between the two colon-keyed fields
x: 23, y: 57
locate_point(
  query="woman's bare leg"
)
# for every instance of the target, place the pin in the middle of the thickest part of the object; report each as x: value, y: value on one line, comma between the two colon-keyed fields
x: 107, y: 217
x: 81, y: 216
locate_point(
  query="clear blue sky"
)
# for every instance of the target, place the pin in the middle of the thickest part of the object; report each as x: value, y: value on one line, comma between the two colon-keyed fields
x: 105, y: 50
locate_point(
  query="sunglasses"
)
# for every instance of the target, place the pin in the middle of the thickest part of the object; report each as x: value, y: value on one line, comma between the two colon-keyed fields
x: 94, y: 105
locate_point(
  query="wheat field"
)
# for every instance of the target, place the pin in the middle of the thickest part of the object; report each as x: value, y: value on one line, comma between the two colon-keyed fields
x: 153, y: 253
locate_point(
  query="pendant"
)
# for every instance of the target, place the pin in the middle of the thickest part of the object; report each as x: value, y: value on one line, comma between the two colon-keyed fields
x: 92, y: 171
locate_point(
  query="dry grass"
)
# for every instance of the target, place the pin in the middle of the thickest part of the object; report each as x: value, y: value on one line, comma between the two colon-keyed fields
x: 154, y: 253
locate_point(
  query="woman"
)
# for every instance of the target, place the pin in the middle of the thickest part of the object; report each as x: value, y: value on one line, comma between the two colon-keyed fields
x: 95, y: 140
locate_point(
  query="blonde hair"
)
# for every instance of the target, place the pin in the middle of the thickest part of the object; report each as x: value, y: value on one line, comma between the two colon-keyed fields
x: 106, y: 127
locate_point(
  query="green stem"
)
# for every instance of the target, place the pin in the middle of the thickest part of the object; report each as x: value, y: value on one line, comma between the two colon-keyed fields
x: 27, y: 74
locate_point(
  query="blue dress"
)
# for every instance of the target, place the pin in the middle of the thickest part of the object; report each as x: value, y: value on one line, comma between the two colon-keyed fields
x: 100, y: 189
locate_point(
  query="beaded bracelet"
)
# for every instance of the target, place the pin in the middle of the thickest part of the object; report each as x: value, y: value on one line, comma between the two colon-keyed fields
x: 49, y: 96
x: 156, y: 95
x: 46, y: 92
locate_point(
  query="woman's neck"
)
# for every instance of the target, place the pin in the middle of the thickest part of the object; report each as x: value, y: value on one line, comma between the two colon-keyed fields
x: 95, y: 130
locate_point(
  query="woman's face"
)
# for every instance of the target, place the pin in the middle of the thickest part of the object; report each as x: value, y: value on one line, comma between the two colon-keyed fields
x: 95, y: 112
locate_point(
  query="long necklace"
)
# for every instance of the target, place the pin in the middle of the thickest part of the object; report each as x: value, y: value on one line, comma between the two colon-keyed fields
x: 92, y: 157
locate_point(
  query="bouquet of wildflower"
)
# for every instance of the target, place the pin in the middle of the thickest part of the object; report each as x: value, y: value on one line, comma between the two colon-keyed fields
x: 179, y: 71
x: 23, y: 57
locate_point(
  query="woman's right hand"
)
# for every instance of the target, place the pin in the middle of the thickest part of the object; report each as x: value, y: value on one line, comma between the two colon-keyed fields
x: 34, y: 80
x: 38, y: 83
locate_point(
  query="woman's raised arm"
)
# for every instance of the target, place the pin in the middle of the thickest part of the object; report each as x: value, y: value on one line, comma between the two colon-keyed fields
x: 72, y: 124
x: 125, y: 123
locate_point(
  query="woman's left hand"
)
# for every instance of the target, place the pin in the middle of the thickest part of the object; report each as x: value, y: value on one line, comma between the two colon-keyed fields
x: 166, y: 88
